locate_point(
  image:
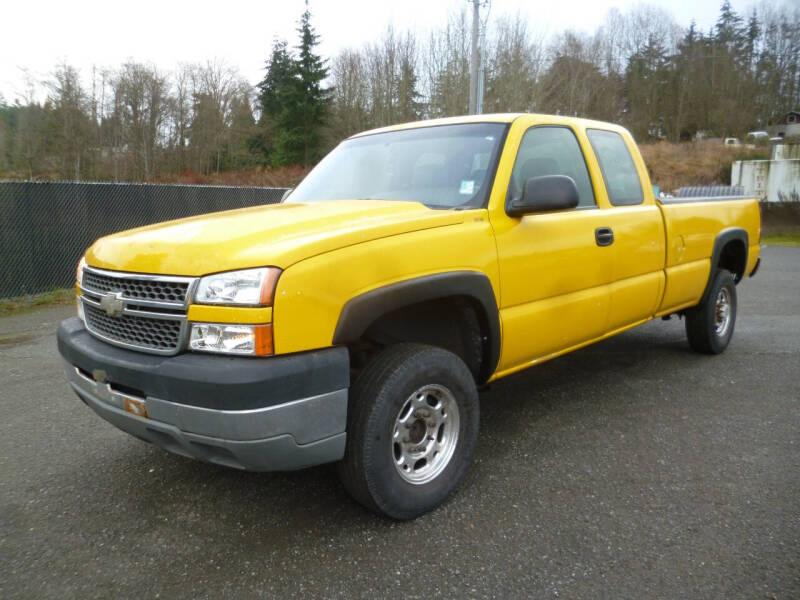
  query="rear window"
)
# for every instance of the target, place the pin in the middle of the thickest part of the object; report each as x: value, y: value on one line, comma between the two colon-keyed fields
x: 621, y: 178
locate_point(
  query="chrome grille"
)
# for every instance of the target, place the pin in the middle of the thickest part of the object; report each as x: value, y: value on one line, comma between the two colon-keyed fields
x: 140, y: 289
x: 143, y: 332
x: 153, y: 314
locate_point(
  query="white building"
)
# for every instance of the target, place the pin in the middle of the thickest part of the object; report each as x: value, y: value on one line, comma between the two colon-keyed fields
x: 788, y: 126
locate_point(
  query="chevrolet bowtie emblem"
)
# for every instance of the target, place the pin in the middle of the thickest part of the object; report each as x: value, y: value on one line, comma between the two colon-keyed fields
x: 112, y: 303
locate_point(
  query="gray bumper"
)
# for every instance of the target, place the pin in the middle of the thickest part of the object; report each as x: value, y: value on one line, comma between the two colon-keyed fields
x: 282, y: 437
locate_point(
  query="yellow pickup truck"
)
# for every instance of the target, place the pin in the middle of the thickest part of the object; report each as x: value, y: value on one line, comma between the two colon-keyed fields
x: 355, y: 320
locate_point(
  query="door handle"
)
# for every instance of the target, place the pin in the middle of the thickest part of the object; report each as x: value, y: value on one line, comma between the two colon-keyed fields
x: 604, y: 236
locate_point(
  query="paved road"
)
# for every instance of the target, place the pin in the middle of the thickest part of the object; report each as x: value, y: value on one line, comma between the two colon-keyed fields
x: 630, y: 469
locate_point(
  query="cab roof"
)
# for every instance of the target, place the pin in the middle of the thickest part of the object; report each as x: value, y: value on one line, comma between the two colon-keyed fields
x: 493, y: 118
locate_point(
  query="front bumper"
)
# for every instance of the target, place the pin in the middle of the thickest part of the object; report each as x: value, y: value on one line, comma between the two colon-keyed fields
x: 260, y: 414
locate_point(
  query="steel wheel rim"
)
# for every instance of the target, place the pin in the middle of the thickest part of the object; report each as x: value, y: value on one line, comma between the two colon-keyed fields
x: 425, y: 434
x: 722, y: 312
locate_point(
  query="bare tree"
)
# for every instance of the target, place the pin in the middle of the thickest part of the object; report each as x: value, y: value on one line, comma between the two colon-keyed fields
x: 215, y: 86
x: 180, y: 114
x: 350, y: 98
x: 639, y: 68
x: 141, y: 105
x: 446, y: 68
x: 515, y: 60
x: 70, y: 121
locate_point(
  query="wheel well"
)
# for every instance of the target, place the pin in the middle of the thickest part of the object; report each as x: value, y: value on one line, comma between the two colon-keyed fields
x: 733, y: 258
x: 457, y: 324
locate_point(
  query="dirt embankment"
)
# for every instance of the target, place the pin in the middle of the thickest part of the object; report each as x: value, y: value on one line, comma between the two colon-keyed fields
x: 695, y: 163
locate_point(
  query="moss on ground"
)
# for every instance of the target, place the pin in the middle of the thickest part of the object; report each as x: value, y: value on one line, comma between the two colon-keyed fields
x: 781, y: 239
x: 12, y: 306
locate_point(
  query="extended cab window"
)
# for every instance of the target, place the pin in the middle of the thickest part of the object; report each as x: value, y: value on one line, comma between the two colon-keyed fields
x: 551, y: 151
x: 445, y: 166
x: 622, y: 180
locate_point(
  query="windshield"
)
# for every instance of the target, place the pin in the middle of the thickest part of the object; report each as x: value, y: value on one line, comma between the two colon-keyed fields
x: 444, y: 166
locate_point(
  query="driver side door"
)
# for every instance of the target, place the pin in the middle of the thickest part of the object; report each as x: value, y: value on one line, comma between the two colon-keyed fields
x: 554, y: 271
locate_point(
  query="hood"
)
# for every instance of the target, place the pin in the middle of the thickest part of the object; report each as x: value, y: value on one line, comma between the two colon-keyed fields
x: 272, y: 235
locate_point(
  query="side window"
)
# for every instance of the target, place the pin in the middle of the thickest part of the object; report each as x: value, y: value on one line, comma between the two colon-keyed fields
x: 552, y: 151
x: 622, y: 180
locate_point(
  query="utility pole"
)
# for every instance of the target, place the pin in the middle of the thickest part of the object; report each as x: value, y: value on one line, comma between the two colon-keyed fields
x: 474, y: 59
x: 481, y: 70
x: 477, y: 57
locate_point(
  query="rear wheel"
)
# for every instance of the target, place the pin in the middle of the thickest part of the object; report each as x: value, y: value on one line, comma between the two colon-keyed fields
x: 709, y: 325
x: 412, y: 427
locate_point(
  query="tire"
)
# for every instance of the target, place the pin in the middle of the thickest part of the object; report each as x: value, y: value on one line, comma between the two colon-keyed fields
x: 411, y: 403
x: 709, y: 325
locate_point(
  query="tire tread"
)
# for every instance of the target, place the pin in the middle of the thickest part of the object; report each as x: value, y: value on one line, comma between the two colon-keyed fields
x: 351, y: 468
x: 359, y: 472
x: 698, y: 319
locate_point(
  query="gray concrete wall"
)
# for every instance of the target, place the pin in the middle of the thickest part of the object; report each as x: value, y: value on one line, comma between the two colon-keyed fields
x: 780, y: 217
x: 786, y: 151
x: 769, y: 180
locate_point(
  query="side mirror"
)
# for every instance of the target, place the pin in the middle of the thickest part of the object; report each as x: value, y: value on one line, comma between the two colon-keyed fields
x: 543, y: 194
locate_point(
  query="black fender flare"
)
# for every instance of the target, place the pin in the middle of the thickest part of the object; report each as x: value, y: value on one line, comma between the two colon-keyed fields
x: 361, y: 311
x: 723, y: 238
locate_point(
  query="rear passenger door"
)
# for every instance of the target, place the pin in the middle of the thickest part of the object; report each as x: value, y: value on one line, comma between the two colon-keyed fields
x: 635, y: 222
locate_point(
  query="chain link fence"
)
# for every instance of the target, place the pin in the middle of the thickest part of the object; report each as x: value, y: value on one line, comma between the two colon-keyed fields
x: 45, y: 227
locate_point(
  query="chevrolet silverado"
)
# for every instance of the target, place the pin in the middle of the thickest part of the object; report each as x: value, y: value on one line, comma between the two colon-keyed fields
x: 355, y: 321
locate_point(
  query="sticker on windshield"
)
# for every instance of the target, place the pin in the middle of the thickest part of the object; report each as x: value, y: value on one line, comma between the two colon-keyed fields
x: 467, y: 187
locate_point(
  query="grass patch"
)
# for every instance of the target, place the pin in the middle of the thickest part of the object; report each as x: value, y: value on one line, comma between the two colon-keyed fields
x: 12, y: 306
x: 14, y: 340
x: 781, y: 239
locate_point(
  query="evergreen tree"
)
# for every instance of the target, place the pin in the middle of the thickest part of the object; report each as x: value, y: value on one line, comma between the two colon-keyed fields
x: 275, y: 92
x: 729, y: 29
x: 238, y: 148
x: 753, y: 32
x: 300, y: 123
x: 407, y: 97
x: 275, y: 88
x: 687, y: 84
x: 645, y: 85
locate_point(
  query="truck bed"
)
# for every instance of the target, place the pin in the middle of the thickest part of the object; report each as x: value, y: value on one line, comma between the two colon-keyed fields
x: 693, y: 224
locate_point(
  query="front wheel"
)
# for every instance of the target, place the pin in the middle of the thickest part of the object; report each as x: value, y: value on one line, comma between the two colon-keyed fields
x: 709, y: 325
x: 412, y: 427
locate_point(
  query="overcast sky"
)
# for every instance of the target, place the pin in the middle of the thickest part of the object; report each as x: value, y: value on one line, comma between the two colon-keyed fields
x: 36, y: 35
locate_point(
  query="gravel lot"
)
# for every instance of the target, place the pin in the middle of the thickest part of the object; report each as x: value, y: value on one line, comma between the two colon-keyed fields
x: 630, y: 469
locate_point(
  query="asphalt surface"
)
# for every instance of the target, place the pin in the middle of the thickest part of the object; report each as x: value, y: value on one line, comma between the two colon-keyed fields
x: 630, y: 469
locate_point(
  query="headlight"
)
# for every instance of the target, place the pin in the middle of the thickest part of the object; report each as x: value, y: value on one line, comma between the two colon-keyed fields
x: 253, y: 340
x: 79, y: 270
x: 253, y: 287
